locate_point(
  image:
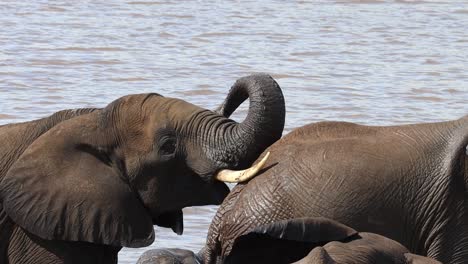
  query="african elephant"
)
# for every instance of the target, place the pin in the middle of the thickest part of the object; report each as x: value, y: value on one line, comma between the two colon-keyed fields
x: 320, y: 240
x: 77, y: 186
x: 408, y: 183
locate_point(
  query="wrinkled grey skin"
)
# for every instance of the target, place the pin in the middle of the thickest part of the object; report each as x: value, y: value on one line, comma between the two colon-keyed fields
x: 320, y: 240
x: 77, y: 186
x: 408, y: 183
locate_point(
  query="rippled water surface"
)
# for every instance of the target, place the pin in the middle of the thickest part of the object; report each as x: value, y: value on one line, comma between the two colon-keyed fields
x: 371, y: 62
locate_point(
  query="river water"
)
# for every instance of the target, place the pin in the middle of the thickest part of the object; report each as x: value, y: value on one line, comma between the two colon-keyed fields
x: 371, y: 62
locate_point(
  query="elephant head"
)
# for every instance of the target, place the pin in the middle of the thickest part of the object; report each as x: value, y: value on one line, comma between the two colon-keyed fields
x: 106, y: 177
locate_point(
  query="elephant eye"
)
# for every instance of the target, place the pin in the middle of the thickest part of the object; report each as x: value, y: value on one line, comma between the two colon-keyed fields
x: 168, y: 146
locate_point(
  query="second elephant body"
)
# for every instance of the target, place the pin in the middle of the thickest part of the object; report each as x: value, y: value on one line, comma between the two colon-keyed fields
x: 408, y: 183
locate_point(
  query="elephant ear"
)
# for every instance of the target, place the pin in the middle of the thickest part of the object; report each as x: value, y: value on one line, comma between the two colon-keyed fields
x: 297, y: 237
x: 65, y: 187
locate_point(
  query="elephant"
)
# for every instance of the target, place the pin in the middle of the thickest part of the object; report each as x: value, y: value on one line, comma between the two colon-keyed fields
x: 407, y: 183
x: 320, y: 240
x: 77, y: 186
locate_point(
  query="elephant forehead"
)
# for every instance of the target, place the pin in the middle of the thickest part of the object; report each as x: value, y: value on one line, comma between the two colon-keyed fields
x: 178, y: 108
x: 172, y: 113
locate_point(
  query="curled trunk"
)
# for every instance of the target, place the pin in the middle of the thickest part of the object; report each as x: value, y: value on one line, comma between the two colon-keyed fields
x: 240, y: 144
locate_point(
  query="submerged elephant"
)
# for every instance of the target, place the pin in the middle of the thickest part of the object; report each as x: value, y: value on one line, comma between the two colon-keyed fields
x: 77, y: 186
x: 408, y: 183
x: 320, y: 240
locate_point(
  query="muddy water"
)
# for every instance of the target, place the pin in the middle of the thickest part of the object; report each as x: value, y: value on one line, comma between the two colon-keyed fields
x: 371, y: 62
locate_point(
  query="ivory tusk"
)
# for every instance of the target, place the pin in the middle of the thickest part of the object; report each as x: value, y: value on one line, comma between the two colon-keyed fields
x: 242, y: 175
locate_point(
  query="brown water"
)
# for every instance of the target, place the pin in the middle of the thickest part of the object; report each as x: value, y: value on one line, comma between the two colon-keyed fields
x: 371, y: 62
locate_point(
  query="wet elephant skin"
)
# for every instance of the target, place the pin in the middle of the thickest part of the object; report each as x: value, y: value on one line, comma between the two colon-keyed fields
x: 408, y: 183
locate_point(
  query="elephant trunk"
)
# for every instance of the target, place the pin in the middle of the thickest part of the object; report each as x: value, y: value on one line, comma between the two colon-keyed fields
x: 242, y: 143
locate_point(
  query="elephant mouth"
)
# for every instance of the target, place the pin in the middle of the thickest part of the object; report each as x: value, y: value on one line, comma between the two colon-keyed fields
x: 171, y: 219
x: 213, y: 194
